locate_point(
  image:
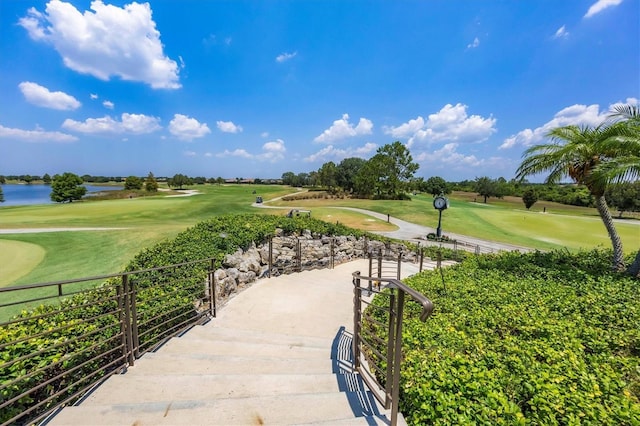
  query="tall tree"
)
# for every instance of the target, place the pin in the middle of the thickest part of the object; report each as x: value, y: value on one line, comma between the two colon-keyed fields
x: 327, y: 175
x: 133, y: 183
x: 576, y: 152
x: 347, y: 171
x: 529, y: 198
x: 151, y: 184
x: 1, y: 195
x: 46, y: 179
x: 436, y: 185
x: 179, y: 180
x: 67, y: 187
x: 486, y: 187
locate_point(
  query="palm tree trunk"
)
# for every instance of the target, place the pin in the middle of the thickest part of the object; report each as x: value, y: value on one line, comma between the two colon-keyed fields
x: 634, y: 268
x: 607, y: 219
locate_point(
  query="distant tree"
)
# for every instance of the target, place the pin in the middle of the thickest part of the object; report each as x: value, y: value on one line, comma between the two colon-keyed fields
x: 257, y: 181
x: 288, y: 178
x: 219, y: 180
x: 327, y: 175
x: 133, y: 183
x: 529, y: 198
x: 67, y: 187
x: 435, y: 185
x: 624, y: 196
x: 486, y: 187
x: 1, y: 195
x: 199, y: 180
x: 347, y: 171
x: 179, y: 180
x: 27, y: 179
x: 151, y: 184
x: 3, y: 180
x: 46, y: 179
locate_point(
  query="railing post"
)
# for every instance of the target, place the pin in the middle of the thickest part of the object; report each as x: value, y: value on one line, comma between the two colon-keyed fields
x: 390, y: 350
x: 379, y: 263
x: 135, y: 340
x: 127, y: 318
x: 357, y: 319
x: 298, y: 255
x: 212, y: 289
x: 120, y: 290
x: 421, y: 258
x: 333, y: 247
x: 399, y: 264
x: 270, y: 255
x: 370, y: 272
x: 395, y: 397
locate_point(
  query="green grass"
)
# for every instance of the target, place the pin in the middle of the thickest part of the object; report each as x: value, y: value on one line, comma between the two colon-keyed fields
x: 150, y: 219
x: 18, y: 259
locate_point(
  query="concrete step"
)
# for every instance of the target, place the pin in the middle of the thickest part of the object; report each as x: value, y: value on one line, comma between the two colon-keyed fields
x: 193, y: 345
x: 264, y: 410
x: 171, y: 363
x: 124, y: 388
x: 218, y: 331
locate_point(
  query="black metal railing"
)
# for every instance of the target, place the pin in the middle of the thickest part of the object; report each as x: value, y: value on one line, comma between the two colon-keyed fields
x: 85, y: 330
x: 377, y: 337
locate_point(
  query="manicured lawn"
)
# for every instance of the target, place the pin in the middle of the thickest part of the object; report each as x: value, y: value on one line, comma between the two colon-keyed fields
x: 55, y: 256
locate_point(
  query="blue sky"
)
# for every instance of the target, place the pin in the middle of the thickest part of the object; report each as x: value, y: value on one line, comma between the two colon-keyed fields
x: 256, y: 89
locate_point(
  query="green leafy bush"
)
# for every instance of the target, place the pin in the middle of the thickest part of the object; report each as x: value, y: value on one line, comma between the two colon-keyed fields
x: 538, y: 338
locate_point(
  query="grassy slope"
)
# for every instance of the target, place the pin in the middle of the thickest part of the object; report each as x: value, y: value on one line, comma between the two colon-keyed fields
x: 146, y: 221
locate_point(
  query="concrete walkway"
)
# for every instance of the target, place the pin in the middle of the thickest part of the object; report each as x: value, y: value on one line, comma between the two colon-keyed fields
x: 278, y: 353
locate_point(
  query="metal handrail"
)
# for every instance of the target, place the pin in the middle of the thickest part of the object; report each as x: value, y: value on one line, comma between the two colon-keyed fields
x: 364, y: 352
x: 98, y: 344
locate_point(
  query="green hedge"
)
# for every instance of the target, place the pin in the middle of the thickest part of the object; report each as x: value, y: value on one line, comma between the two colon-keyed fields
x: 539, y: 338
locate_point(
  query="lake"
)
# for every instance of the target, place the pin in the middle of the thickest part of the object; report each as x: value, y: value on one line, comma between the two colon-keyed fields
x: 20, y: 194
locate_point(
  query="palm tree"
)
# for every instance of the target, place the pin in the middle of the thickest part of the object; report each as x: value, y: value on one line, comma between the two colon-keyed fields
x: 577, y: 152
x: 626, y: 166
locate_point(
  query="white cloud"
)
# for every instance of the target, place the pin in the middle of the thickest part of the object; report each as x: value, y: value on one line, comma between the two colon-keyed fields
x: 208, y: 154
x: 577, y: 115
x: 283, y: 57
x: 37, y: 135
x: 451, y: 123
x: 475, y: 43
x: 41, y: 96
x: 187, y: 128
x: 600, y: 5
x: 108, y: 104
x: 264, y: 134
x: 330, y: 153
x: 448, y: 159
x: 561, y: 33
x: 235, y: 153
x: 93, y: 96
x: 105, y: 41
x: 228, y: 127
x: 341, y: 129
x: 189, y: 154
x: 271, y: 151
x: 129, y: 123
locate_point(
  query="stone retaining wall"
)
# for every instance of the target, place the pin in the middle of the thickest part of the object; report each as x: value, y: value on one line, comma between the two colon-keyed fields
x: 243, y: 267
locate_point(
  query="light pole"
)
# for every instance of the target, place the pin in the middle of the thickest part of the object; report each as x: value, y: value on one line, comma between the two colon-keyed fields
x: 440, y: 203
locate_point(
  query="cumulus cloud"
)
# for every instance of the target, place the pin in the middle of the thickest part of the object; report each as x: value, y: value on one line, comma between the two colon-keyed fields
x: 561, y: 32
x: 37, y: 135
x: 600, y: 5
x: 187, y: 128
x: 105, y: 41
x: 475, y: 43
x: 451, y: 123
x: 331, y: 153
x: 272, y: 151
x: 108, y: 104
x: 341, y: 129
x: 449, y: 159
x: 283, y: 57
x: 577, y: 115
x: 42, y: 97
x: 228, y: 127
x: 189, y: 154
x: 128, y: 123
